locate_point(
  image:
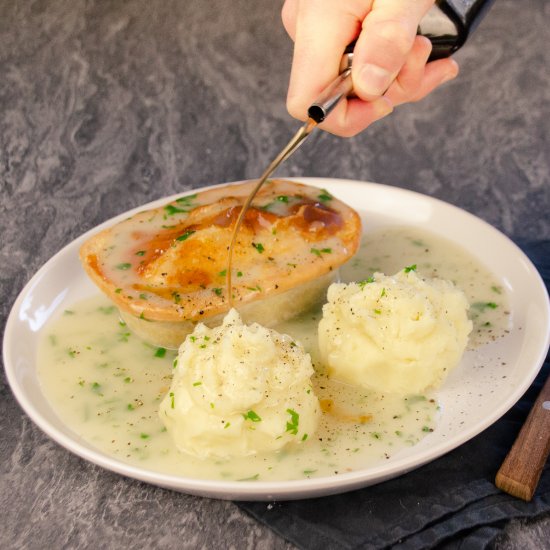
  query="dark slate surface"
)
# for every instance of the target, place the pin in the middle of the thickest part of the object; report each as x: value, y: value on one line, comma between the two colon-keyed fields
x: 105, y: 105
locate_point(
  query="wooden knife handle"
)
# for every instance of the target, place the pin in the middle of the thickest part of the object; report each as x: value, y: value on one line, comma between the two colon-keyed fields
x: 520, y: 472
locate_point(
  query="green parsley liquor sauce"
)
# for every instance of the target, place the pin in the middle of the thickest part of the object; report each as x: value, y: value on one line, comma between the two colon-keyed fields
x: 106, y: 384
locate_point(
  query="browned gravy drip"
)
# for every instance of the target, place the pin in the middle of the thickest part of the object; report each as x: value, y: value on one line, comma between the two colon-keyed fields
x: 313, y: 219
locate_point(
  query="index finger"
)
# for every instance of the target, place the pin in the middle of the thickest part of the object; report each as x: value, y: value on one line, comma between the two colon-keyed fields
x: 386, y: 38
x: 323, y: 29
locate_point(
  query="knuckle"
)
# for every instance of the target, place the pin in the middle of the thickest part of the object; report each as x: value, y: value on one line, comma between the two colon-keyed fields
x: 395, y: 36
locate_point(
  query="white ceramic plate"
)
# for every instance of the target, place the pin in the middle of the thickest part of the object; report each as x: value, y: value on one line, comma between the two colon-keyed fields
x: 472, y: 398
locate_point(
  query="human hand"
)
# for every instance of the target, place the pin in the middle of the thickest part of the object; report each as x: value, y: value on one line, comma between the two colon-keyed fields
x: 389, y: 61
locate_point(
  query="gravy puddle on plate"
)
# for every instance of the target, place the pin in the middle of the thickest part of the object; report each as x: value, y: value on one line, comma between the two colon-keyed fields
x: 106, y: 384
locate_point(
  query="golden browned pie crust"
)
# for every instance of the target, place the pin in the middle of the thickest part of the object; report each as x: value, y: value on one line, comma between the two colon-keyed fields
x: 168, y: 264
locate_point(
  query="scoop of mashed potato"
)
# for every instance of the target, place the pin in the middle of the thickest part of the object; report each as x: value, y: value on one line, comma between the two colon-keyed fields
x: 396, y: 334
x: 238, y: 390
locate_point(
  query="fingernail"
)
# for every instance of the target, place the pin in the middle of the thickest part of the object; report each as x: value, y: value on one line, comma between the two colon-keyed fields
x: 373, y: 80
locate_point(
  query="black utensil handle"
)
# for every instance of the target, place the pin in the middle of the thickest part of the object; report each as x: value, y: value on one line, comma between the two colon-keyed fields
x: 450, y: 22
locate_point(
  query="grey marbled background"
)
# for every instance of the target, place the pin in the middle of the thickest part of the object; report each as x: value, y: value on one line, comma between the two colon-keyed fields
x: 105, y: 105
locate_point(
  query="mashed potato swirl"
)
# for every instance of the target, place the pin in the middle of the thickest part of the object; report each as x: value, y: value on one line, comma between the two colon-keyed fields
x: 238, y: 390
x: 398, y: 334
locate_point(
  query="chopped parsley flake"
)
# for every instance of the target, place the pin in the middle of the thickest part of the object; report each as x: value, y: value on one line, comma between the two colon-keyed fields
x: 318, y: 251
x: 172, y: 399
x: 161, y: 352
x: 282, y: 198
x: 251, y: 478
x: 187, y: 199
x: 252, y: 416
x: 362, y: 284
x: 197, y: 383
x: 324, y: 195
x: 223, y: 273
x: 140, y: 253
x: 170, y: 210
x: 292, y: 425
x: 410, y: 268
x: 123, y: 336
x: 217, y: 291
x: 124, y: 266
x: 185, y: 235
x: 482, y: 306
x: 259, y: 247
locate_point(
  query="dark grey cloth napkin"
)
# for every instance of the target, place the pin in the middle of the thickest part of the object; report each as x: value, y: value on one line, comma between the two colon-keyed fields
x: 449, y: 503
